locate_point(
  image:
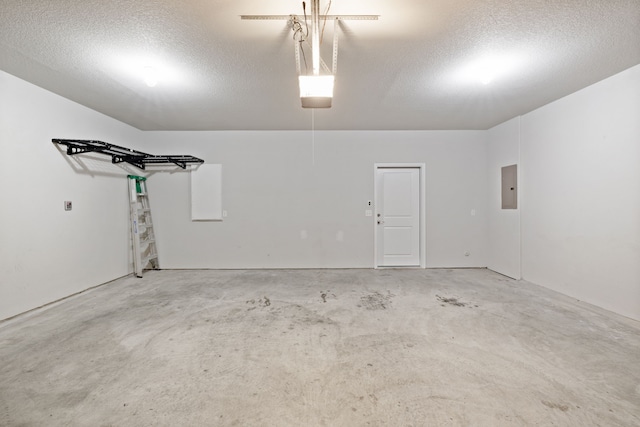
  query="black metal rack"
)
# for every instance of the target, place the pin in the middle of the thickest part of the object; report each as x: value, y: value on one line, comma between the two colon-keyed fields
x: 121, y: 154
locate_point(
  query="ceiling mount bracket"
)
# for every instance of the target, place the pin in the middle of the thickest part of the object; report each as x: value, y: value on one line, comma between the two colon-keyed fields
x: 316, y: 89
x: 335, y: 45
x: 322, y: 17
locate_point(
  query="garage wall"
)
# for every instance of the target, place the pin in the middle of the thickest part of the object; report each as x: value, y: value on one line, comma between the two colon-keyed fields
x: 47, y: 253
x: 503, y: 248
x: 581, y: 194
x: 298, y: 199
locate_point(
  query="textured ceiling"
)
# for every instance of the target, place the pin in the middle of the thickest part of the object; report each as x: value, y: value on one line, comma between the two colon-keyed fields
x: 419, y: 67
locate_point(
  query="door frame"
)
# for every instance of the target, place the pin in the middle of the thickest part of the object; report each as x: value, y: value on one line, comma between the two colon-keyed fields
x: 423, y: 222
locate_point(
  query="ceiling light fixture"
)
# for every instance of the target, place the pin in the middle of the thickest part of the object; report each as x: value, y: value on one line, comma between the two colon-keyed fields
x: 150, y: 76
x: 489, y: 68
x: 316, y: 91
x: 316, y: 88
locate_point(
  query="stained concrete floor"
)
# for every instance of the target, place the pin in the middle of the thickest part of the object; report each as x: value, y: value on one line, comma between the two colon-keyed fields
x: 320, y: 348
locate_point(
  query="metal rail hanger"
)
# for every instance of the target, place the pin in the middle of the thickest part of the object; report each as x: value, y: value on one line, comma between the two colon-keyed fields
x: 121, y: 154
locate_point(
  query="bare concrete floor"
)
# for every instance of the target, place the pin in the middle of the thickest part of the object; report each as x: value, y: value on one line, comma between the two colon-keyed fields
x: 320, y: 348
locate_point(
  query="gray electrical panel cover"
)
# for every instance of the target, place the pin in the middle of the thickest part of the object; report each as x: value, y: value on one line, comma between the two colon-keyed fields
x: 510, y: 187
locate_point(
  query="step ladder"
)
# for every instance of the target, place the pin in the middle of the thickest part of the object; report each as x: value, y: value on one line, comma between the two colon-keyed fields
x: 145, y: 253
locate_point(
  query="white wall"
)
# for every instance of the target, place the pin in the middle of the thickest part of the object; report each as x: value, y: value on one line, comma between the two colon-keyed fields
x: 581, y: 194
x: 503, y: 248
x: 293, y: 203
x: 277, y: 190
x: 45, y: 252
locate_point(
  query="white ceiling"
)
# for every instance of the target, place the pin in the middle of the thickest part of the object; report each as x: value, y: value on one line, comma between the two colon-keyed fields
x: 408, y: 70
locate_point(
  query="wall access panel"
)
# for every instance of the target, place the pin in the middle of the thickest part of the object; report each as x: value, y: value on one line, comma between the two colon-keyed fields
x: 206, y: 193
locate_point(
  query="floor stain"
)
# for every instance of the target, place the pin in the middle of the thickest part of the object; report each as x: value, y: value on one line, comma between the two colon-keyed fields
x: 262, y: 302
x: 325, y: 294
x: 376, y: 301
x: 451, y: 301
x: 552, y: 405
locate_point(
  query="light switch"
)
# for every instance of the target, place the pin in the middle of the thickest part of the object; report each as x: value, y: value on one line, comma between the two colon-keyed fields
x: 368, y: 212
x: 67, y: 206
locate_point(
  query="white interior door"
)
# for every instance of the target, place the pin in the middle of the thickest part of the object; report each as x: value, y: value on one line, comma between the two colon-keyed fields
x: 398, y: 216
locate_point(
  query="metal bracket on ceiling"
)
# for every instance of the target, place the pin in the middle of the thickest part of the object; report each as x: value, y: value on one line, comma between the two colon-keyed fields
x: 318, y: 90
x: 322, y: 17
x: 297, y: 45
x: 335, y: 46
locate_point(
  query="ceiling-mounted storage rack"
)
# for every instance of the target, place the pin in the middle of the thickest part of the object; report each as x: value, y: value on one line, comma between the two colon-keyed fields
x: 121, y: 154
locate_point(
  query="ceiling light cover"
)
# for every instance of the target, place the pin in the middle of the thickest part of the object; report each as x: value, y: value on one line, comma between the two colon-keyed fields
x: 316, y: 91
x: 489, y: 68
x: 150, y: 76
